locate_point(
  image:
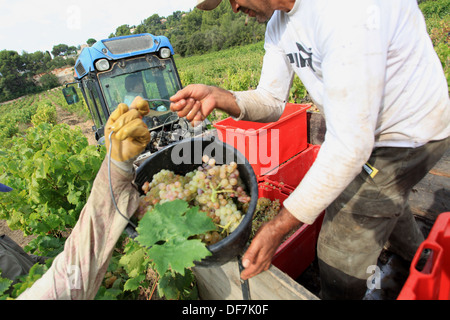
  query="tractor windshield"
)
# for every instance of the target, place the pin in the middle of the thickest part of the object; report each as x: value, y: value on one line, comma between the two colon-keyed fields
x: 149, y: 77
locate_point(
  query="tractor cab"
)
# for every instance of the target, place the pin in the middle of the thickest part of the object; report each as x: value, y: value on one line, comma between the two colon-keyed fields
x: 117, y: 70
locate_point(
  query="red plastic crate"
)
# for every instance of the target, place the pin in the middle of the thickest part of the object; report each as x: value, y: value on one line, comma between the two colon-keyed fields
x: 294, y: 170
x: 296, y: 253
x: 433, y: 281
x: 267, y: 145
x: 273, y: 190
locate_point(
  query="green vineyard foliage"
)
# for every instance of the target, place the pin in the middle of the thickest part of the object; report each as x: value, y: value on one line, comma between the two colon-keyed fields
x: 45, y: 113
x: 51, y: 170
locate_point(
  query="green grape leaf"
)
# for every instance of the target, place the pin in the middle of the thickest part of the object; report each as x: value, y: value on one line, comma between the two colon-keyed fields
x: 172, y: 219
x: 76, y: 164
x: 4, y: 285
x: 173, y: 286
x: 178, y: 254
x: 108, y: 294
x: 73, y: 196
x: 134, y: 262
x: 172, y: 224
x: 53, y: 221
x: 133, y: 283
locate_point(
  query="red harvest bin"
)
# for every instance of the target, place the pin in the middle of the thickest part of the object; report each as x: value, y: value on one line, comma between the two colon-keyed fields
x: 267, y: 145
x: 293, y: 171
x: 296, y: 253
x: 433, y: 281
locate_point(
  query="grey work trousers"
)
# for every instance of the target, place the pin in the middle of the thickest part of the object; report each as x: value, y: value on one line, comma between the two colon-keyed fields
x: 371, y: 212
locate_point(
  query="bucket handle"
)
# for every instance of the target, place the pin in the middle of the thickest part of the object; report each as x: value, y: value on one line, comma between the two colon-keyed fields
x: 430, y: 265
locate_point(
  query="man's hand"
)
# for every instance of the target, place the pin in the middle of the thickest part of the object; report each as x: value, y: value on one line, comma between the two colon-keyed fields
x: 131, y: 135
x: 197, y: 101
x: 258, y: 256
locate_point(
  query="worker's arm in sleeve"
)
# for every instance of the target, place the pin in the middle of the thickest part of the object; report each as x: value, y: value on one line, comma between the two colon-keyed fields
x: 78, y: 271
x: 266, y: 103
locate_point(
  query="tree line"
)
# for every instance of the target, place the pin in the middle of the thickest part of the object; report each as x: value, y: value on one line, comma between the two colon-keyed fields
x: 198, y: 32
x: 17, y: 71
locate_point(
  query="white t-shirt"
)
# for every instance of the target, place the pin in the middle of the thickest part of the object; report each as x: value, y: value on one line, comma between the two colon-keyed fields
x: 371, y: 69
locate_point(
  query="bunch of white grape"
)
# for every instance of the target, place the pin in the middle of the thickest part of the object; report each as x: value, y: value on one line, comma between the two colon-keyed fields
x: 265, y: 211
x: 217, y: 190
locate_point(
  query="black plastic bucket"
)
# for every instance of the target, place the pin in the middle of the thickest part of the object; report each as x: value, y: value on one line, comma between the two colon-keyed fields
x: 185, y: 156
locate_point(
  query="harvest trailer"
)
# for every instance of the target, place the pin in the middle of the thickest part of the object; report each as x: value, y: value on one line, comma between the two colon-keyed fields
x: 117, y: 70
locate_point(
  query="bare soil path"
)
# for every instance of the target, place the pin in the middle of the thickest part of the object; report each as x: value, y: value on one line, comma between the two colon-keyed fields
x: 75, y: 121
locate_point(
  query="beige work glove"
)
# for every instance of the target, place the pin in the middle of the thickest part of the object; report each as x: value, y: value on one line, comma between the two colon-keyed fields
x: 131, y: 134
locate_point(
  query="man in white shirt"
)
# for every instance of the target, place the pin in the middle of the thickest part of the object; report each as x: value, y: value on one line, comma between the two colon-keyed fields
x: 370, y: 67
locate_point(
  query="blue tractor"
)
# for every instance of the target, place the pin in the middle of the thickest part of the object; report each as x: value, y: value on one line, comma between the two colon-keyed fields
x: 117, y: 70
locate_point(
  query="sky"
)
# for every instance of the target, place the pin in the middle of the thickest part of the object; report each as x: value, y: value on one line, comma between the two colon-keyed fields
x: 32, y: 25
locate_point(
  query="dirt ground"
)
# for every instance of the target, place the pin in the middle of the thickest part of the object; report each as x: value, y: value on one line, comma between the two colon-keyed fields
x: 73, y: 121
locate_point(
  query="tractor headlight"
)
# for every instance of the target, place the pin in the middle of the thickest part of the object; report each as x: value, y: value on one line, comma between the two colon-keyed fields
x: 165, y: 53
x: 102, y: 65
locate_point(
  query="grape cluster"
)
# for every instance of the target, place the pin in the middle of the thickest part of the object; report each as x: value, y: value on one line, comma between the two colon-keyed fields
x: 217, y: 190
x: 266, y: 210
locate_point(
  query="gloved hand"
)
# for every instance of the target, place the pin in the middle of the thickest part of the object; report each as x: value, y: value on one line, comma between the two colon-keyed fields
x: 131, y: 134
